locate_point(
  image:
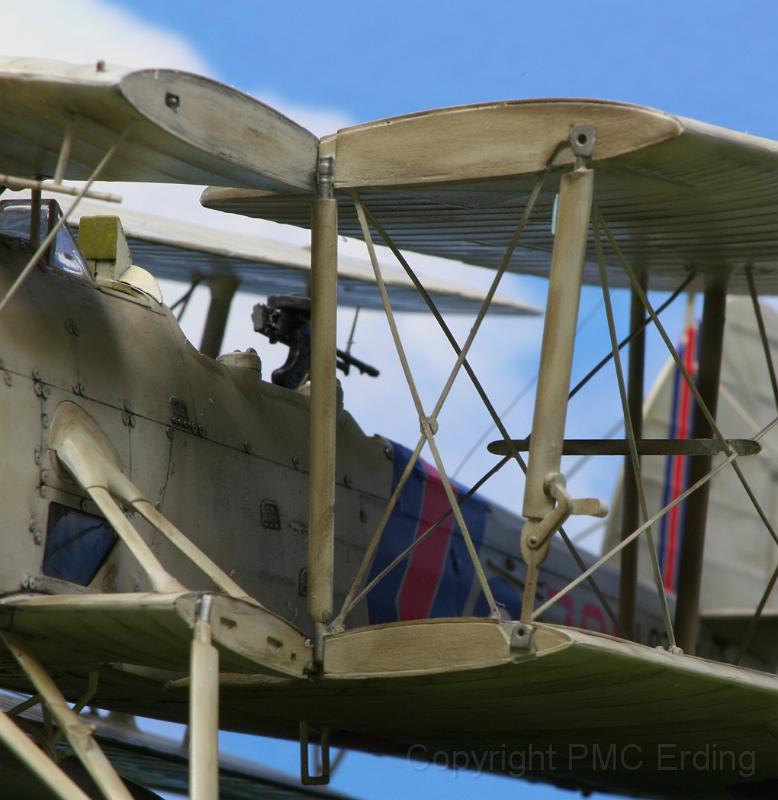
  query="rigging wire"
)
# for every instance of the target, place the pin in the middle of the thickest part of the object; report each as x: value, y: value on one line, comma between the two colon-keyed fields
x: 589, y: 375
x: 519, y: 396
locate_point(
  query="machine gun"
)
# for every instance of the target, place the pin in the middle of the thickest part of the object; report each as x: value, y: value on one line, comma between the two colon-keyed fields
x: 286, y: 318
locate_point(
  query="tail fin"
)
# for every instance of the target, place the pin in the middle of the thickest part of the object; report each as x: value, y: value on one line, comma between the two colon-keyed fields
x: 740, y: 555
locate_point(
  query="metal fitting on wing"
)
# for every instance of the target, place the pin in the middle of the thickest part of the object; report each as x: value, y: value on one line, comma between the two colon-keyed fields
x: 582, y: 140
x: 521, y: 636
x: 566, y: 506
x: 324, y: 177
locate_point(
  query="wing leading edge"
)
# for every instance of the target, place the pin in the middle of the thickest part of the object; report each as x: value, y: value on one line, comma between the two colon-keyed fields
x: 677, y: 194
x: 181, y: 128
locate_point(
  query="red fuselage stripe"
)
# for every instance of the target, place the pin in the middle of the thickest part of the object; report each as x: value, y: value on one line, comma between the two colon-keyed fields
x: 427, y: 560
x: 679, y: 463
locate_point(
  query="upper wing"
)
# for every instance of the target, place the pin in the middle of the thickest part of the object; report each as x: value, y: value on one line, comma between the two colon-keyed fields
x: 181, y: 251
x: 181, y: 128
x: 677, y: 194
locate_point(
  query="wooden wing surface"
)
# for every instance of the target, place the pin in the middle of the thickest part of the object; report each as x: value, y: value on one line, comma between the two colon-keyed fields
x: 677, y: 194
x: 439, y: 686
x: 173, y: 121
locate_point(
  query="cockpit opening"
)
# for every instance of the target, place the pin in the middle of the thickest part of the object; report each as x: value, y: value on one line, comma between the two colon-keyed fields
x: 17, y: 224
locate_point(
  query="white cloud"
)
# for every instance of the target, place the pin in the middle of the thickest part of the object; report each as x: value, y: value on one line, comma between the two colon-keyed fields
x: 505, y: 354
x: 81, y: 31
x: 92, y: 30
x: 318, y: 120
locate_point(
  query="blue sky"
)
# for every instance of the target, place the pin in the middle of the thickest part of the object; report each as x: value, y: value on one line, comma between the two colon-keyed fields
x: 713, y: 60
x: 710, y: 60
x: 356, y: 61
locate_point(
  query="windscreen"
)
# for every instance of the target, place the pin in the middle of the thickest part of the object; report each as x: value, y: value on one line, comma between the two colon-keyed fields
x: 63, y: 255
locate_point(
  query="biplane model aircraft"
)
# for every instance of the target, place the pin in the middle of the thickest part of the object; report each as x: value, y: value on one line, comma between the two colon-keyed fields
x: 186, y: 541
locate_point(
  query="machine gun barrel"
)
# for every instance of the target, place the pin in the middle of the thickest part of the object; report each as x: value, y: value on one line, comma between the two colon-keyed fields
x: 346, y: 361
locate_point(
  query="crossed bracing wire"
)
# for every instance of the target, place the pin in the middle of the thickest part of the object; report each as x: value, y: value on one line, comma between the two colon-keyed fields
x: 731, y: 454
x: 357, y: 591
x: 599, y: 221
x: 768, y: 590
x: 429, y: 423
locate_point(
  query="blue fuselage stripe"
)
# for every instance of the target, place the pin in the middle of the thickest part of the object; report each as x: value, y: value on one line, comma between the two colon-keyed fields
x: 399, y: 533
x: 455, y: 581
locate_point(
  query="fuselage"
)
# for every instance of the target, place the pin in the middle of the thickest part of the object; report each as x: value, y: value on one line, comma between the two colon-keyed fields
x: 224, y: 455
